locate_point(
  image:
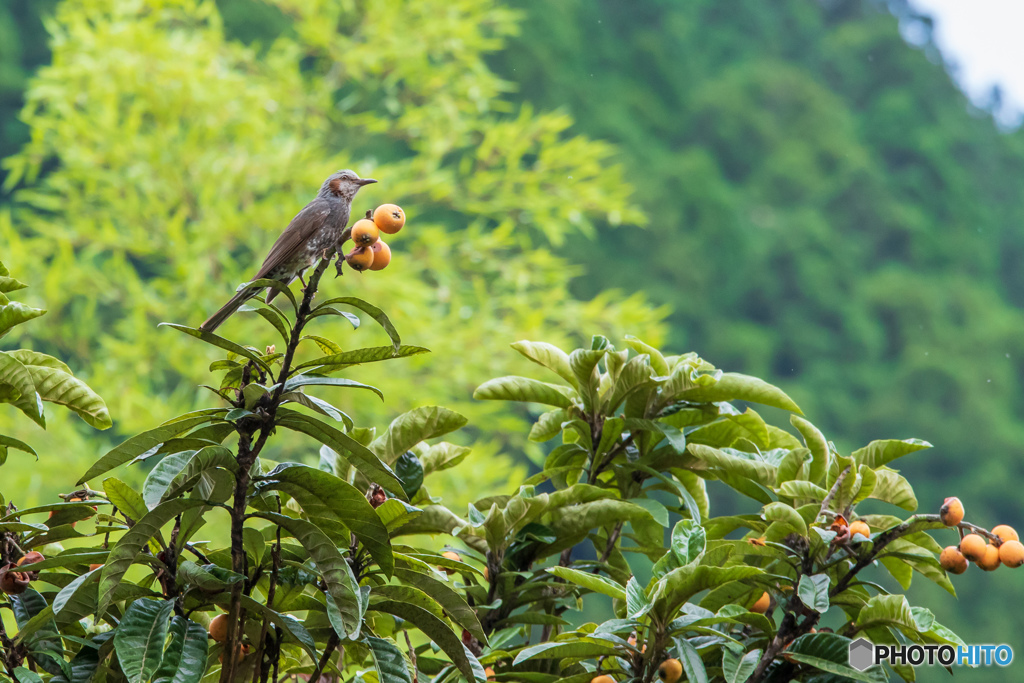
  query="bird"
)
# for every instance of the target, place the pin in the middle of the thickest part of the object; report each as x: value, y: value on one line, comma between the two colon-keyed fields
x: 314, y: 231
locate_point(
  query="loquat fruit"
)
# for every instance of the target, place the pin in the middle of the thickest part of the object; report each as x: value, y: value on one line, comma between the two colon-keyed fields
x: 973, y: 547
x: 762, y: 604
x: 12, y: 582
x: 219, y: 628
x: 451, y: 556
x: 31, y: 557
x: 94, y: 566
x: 859, y: 527
x: 242, y: 651
x: 670, y: 671
x: 602, y: 679
x: 952, y: 512
x: 990, y: 562
x: 489, y: 673
x: 389, y: 218
x: 381, y: 255
x: 1005, y: 533
x: 756, y: 541
x: 1011, y: 553
x: 365, y: 232
x: 360, y: 258
x: 952, y: 560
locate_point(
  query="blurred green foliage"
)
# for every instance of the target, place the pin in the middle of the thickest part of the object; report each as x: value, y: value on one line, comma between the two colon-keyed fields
x: 152, y: 186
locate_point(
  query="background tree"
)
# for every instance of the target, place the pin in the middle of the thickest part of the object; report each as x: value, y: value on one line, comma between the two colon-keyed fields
x: 153, y: 186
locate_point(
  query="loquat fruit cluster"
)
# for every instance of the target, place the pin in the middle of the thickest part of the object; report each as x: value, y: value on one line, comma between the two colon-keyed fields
x: 1001, y: 547
x: 370, y: 251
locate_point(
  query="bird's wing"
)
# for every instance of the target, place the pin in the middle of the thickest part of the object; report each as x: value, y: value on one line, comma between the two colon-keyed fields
x: 302, y: 227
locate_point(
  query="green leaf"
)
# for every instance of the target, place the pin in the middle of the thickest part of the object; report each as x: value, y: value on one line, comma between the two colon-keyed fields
x: 276, y: 285
x: 56, y: 386
x: 749, y: 468
x: 732, y: 386
x: 815, y: 442
x: 127, y: 548
x: 830, y: 652
x: 658, y: 362
x: 891, y: 487
x: 140, y: 443
x: 878, y: 453
x: 139, y: 638
x: 43, y: 639
x: 813, y: 592
x: 329, y: 501
x: 738, y: 669
x: 442, y: 456
x: 693, y: 666
x: 204, y: 461
x: 524, y: 389
x: 419, y: 424
x: 307, y: 380
x: 634, y: 376
x: 286, y: 622
x: 370, y: 310
x: 681, y: 584
x: 160, y: 477
x: 410, y: 471
x: 9, y: 284
x: 11, y: 442
x: 559, y: 650
x: 184, y: 660
x: 548, y: 356
x: 346, y: 359
x: 887, y: 610
x: 125, y: 498
x: 14, y: 373
x: 449, y: 599
x: 688, y: 541
x: 637, y: 603
x: 780, y: 512
x: 222, y: 343
x: 438, y: 631
x: 388, y: 660
x: 592, y: 582
x: 802, y: 489
x: 584, y: 367
x: 336, y: 573
x: 358, y: 455
x: 14, y: 313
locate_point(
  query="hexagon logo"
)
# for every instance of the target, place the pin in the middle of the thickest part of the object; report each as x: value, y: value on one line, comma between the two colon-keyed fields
x: 862, y: 654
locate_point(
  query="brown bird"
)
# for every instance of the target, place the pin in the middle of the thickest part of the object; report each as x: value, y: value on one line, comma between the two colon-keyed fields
x: 314, y: 231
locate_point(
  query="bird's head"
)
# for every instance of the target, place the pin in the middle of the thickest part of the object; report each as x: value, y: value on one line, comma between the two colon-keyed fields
x: 343, y: 184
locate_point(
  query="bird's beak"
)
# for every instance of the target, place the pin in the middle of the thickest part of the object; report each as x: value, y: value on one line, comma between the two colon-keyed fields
x: 365, y: 181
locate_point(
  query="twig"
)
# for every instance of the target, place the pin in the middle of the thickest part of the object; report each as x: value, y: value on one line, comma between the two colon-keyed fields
x: 332, y: 643
x: 412, y: 656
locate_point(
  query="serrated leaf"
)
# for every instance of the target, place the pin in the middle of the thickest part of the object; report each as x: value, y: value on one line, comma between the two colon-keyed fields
x: 347, y: 359
x: 15, y: 313
x: 437, y: 631
x: 370, y: 310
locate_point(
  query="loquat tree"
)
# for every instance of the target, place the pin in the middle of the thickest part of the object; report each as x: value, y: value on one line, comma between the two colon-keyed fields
x: 331, y: 571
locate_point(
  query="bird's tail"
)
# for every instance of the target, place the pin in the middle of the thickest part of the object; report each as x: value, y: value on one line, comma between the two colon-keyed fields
x: 227, y: 309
